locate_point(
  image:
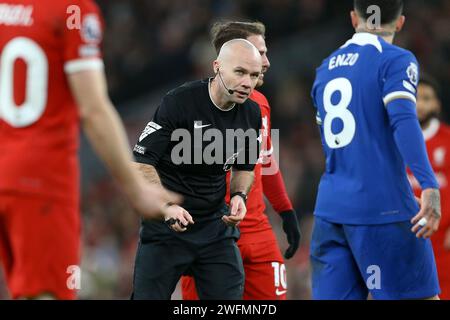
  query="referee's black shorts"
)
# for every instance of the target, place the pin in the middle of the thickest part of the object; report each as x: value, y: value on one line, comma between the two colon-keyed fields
x: 215, y: 264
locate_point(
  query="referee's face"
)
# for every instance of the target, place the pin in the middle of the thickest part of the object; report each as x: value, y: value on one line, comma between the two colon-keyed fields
x: 241, y: 73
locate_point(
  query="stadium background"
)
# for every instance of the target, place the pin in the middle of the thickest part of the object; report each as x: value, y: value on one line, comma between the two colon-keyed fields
x: 153, y: 45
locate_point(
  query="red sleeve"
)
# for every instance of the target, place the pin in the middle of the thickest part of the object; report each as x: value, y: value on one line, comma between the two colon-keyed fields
x: 82, y: 37
x: 444, y: 179
x: 275, y: 190
x: 266, y: 125
x: 272, y: 180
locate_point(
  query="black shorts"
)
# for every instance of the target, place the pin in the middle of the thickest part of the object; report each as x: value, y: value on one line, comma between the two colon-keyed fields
x: 217, y: 269
x: 207, y: 251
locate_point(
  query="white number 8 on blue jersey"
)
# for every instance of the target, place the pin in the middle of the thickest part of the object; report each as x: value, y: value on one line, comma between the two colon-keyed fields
x: 338, y: 111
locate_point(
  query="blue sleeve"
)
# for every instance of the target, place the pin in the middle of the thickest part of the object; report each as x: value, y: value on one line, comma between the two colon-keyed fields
x: 400, y: 76
x: 409, y: 140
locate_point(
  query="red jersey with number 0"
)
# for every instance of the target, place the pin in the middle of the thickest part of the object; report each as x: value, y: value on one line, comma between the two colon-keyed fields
x: 41, y: 41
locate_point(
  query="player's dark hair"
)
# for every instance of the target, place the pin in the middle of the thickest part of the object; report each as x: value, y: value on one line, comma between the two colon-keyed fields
x: 222, y: 32
x: 390, y: 9
x: 428, y: 80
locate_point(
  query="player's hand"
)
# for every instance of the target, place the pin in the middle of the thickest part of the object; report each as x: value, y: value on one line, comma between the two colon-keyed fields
x: 150, y: 200
x: 177, y: 218
x: 237, y: 212
x: 419, y: 202
x: 292, y: 230
x: 426, y: 222
x: 447, y: 240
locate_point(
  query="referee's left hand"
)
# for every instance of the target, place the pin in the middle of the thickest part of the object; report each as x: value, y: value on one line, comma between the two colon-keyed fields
x: 237, y: 212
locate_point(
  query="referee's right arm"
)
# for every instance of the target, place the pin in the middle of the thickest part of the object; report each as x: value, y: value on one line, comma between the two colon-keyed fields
x: 152, y: 144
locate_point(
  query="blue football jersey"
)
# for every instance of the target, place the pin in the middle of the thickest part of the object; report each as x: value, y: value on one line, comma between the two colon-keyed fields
x: 365, y: 179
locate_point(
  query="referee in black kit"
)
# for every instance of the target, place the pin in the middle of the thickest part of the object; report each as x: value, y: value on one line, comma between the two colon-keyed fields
x: 194, y: 138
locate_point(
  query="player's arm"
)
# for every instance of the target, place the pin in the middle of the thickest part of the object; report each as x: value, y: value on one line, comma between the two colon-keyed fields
x: 180, y: 217
x: 275, y: 191
x: 272, y: 179
x: 100, y: 121
x: 411, y: 145
x: 401, y: 109
x: 105, y: 132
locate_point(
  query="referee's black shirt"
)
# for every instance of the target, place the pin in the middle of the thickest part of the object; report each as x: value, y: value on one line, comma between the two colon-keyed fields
x: 189, y: 107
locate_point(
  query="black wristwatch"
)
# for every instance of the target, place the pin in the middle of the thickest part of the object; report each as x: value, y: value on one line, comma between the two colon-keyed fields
x: 240, y: 194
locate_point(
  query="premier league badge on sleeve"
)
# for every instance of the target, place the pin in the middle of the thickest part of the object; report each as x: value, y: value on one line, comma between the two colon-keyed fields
x: 91, y: 30
x: 413, y: 73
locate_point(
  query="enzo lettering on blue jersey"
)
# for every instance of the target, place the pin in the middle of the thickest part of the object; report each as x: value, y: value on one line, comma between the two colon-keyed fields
x: 347, y: 59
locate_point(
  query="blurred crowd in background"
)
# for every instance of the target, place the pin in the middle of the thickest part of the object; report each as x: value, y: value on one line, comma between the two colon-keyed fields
x: 151, y: 46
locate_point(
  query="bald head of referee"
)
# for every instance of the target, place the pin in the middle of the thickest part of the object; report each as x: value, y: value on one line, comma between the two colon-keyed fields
x: 237, y: 70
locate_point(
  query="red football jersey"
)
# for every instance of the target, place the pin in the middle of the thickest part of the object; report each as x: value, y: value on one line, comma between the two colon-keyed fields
x: 41, y: 41
x: 437, y: 138
x: 256, y: 220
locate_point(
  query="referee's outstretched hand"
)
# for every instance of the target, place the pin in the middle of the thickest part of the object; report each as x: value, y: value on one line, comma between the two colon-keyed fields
x: 177, y: 218
x: 237, y: 212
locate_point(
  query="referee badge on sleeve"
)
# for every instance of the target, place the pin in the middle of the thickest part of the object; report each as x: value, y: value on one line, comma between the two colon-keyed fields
x: 149, y: 129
